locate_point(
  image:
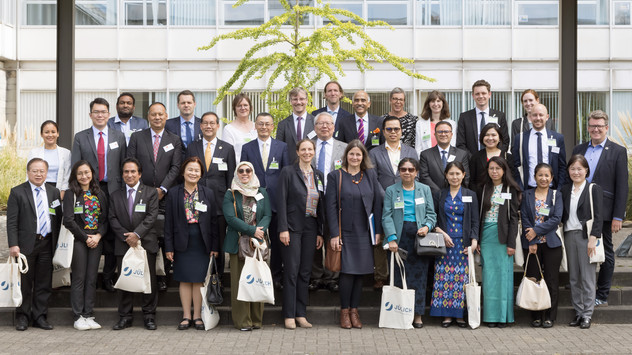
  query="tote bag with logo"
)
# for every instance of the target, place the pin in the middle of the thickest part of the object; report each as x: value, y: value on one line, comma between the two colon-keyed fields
x: 134, y: 275
x: 10, y: 281
x: 397, y: 310
x: 255, y: 281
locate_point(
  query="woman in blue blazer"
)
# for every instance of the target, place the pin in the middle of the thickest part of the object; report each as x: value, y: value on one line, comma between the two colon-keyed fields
x: 541, y: 213
x: 191, y: 237
x: 408, y: 211
x: 457, y: 220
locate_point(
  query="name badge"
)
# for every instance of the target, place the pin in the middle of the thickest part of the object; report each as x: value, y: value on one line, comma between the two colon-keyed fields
x: 552, y: 142
x: 51, y: 211
x: 55, y: 203
x: 467, y: 199
x: 492, y: 119
x: 375, y: 141
x: 311, y: 135
x: 217, y: 160
x: 274, y: 164
x: 113, y: 145
x: 222, y: 167
x: 200, y: 206
x: 78, y: 209
x: 425, y: 137
x: 419, y: 201
x: 544, y: 211
x: 320, y: 186
x: 254, y: 208
x: 555, y: 150
x: 337, y: 164
x: 168, y: 147
x: 451, y: 158
x: 247, y: 139
x: 498, y: 200
x: 259, y: 196
x: 140, y: 208
x: 399, y: 204
x: 506, y: 195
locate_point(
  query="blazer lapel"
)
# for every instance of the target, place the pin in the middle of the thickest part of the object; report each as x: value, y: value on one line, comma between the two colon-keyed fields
x: 602, y: 158
x: 257, y: 160
x: 93, y: 143
x: 149, y: 145
x: 437, y: 157
x: 299, y: 173
x: 29, y: 195
x: 384, y: 153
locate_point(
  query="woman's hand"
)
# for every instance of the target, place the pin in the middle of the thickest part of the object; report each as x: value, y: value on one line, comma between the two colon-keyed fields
x: 378, y: 239
x: 214, y: 253
x: 448, y: 240
x: 335, y: 243
x: 169, y: 255
x: 319, y: 241
x: 423, y: 231
x: 285, y: 238
x: 511, y: 251
x: 592, y: 246
x: 530, y: 234
x: 533, y: 249
x: 474, y: 245
x: 392, y: 246
x: 259, y: 233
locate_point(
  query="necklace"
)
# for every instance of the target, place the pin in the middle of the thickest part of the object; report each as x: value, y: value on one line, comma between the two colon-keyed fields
x: 361, y: 176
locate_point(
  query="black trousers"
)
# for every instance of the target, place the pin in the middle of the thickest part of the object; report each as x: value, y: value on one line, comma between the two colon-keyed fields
x: 109, y: 262
x: 85, y: 269
x: 604, y: 280
x: 36, y: 283
x: 276, y: 260
x: 350, y: 290
x: 221, y: 259
x: 150, y: 300
x: 550, y: 260
x: 297, y: 264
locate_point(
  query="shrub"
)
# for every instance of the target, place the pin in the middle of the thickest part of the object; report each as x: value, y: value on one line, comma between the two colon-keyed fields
x: 12, y: 167
x: 625, y: 139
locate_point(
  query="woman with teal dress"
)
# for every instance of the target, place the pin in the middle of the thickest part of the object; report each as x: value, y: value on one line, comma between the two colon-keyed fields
x: 500, y: 202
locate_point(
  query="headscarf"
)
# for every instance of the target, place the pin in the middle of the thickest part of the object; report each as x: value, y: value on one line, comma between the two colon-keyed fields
x: 250, y: 189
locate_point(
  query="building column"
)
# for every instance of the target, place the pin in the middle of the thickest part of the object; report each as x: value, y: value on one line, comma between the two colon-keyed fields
x: 65, y: 71
x: 568, y: 73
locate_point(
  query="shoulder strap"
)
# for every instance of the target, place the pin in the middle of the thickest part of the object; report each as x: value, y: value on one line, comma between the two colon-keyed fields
x: 480, y: 210
x: 592, y: 213
x: 339, y: 206
x: 234, y: 203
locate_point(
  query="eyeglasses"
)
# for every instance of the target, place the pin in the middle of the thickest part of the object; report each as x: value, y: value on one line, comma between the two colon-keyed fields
x: 443, y: 132
x: 103, y: 113
x: 324, y: 124
x: 597, y: 126
x: 410, y: 170
x: 392, y: 129
x: 264, y: 124
x: 244, y: 171
x: 397, y: 99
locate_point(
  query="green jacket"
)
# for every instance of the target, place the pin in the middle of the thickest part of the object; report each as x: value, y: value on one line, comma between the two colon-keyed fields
x: 237, y: 225
x: 393, y: 218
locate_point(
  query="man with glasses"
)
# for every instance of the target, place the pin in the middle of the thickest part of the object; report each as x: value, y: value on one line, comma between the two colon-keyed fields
x: 187, y: 125
x: 386, y: 159
x: 434, y: 160
x: 125, y: 121
x: 608, y: 163
x: 268, y: 156
x: 344, y: 129
x: 104, y: 149
x: 298, y: 125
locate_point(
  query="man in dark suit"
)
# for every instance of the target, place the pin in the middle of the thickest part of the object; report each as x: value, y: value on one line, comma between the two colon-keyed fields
x: 472, y: 122
x: 33, y: 221
x: 298, y: 125
x: 539, y: 145
x: 608, y: 163
x: 187, y: 125
x: 344, y: 130
x: 104, y: 149
x: 133, y: 212
x: 160, y: 154
x: 218, y: 170
x: 268, y: 156
x: 386, y: 157
x: 125, y: 121
x: 368, y: 127
x: 529, y: 98
x: 434, y: 160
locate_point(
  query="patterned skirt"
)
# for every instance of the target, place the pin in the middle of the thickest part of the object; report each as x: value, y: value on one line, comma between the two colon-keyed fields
x: 451, y: 274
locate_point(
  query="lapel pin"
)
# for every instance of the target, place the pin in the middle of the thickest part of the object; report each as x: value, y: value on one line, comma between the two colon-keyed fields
x: 220, y: 147
x: 606, y: 148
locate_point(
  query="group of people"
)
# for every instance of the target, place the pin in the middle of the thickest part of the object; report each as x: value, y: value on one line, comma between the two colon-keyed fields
x: 360, y: 184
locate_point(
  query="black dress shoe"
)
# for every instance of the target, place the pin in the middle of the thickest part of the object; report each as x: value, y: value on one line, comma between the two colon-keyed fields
x: 585, y: 324
x: 255, y: 327
x: 313, y: 286
x: 461, y: 324
x: 21, y: 323
x: 446, y: 324
x: 199, y: 324
x: 185, y: 323
x: 108, y: 285
x: 547, y: 324
x: 575, y: 322
x: 418, y: 325
x: 536, y: 323
x: 492, y: 325
x: 333, y: 286
x: 42, y: 323
x: 502, y: 325
x: 122, y: 324
x: 150, y: 324
x: 162, y: 285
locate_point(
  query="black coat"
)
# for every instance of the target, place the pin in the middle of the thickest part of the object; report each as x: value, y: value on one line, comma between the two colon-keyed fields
x: 470, y: 215
x: 293, y: 199
x: 507, y: 222
x: 583, y: 208
x: 75, y: 222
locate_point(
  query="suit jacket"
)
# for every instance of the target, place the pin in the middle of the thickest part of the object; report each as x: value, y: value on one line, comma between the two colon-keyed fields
x: 515, y: 126
x: 393, y: 218
x: 385, y: 174
x: 431, y: 171
x: 338, y: 150
x: 22, y: 217
x: 234, y: 214
x: 286, y: 132
x: 75, y: 223
x: 135, y: 124
x: 471, y: 223
x: 584, y: 213
x: 173, y: 125
x: 63, y: 174
x: 293, y: 199
x: 217, y: 180
x: 507, y: 220
x: 375, y: 122
x: 268, y: 178
x: 478, y: 166
x: 467, y: 132
x: 142, y: 223
x: 612, y: 175
x: 424, y: 133
x: 344, y: 129
x: 164, y: 171
x: 176, y: 226
x: 556, y: 160
x: 84, y: 147
x: 547, y: 228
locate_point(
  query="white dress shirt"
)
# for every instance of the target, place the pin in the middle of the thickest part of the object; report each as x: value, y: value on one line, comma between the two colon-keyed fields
x: 533, y: 153
x: 573, y: 222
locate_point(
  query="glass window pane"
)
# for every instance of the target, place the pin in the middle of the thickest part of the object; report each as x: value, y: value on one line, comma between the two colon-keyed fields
x: 250, y: 13
x: 439, y: 12
x: 41, y: 14
x: 151, y: 16
x: 586, y: 103
x: 487, y: 12
x: 621, y: 117
x: 622, y: 13
x: 592, y: 12
x: 395, y: 13
x: 134, y: 13
x: 192, y: 12
x: 156, y: 15
x: 353, y: 6
x: 275, y: 9
x: 95, y: 12
x: 537, y: 14
x: 203, y: 103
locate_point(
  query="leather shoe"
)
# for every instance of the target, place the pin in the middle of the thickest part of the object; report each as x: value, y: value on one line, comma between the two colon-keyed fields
x: 446, y: 324
x: 536, y: 323
x: 150, y: 324
x: 313, y: 286
x: 333, y: 287
x: 355, y: 318
x: 42, y: 323
x: 108, y: 285
x: 418, y: 325
x: 547, y: 324
x: 199, y: 324
x: 21, y: 323
x: 345, y: 320
x: 122, y: 324
x: 378, y: 284
x: 162, y: 285
x: 585, y: 324
x: 185, y: 323
x: 575, y: 322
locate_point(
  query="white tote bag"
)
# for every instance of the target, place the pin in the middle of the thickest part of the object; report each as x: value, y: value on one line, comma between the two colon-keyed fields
x: 10, y: 278
x: 134, y: 275
x: 61, y: 276
x: 397, y: 310
x: 160, y: 264
x: 472, y: 293
x: 533, y: 295
x: 64, y: 248
x: 210, y: 315
x: 255, y: 281
x: 600, y: 253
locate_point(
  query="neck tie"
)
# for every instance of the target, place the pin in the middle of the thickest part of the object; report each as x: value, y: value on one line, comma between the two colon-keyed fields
x: 444, y: 158
x: 264, y: 156
x: 321, y: 158
x: 299, y: 131
x: 101, y: 156
x: 42, y: 218
x: 188, y: 133
x: 481, y: 146
x: 361, y: 130
x: 156, y: 145
x: 208, y: 156
x: 540, y: 158
x: 130, y: 203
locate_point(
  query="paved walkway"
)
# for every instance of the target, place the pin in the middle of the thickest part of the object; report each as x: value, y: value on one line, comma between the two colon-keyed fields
x: 600, y: 339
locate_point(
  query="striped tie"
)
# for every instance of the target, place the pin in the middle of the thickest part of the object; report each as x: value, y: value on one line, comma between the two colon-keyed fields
x: 42, y: 218
x: 361, y: 130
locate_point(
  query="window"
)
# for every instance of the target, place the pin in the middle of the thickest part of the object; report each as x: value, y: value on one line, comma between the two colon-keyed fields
x: 395, y: 12
x: 439, y: 12
x: 621, y: 117
x: 145, y: 12
x: 586, y: 103
x: 354, y: 6
x: 192, y: 12
x: 95, y: 12
x: 550, y: 99
x: 487, y: 12
x: 592, y: 12
x: 537, y: 13
x: 203, y: 103
x: 40, y: 13
x: 275, y: 9
x: 250, y: 13
x: 622, y: 13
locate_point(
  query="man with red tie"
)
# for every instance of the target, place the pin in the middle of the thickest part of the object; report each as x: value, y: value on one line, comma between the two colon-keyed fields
x: 367, y: 125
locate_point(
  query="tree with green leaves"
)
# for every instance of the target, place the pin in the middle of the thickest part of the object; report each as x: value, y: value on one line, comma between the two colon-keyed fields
x: 295, y: 59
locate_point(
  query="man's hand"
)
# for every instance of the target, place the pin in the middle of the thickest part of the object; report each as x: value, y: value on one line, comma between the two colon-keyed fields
x: 616, y: 225
x: 131, y: 239
x: 14, y: 251
x: 161, y: 193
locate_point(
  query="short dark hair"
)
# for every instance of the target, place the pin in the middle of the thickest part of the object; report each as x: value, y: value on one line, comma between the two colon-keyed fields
x: 132, y: 160
x: 482, y: 82
x: 100, y: 101
x: 390, y: 118
x: 189, y: 160
x: 484, y: 131
x: 47, y: 122
x: 413, y: 161
x: 185, y: 92
x: 578, y: 158
x: 237, y: 100
x: 451, y: 165
x: 444, y: 123
x: 157, y: 103
x: 210, y: 113
x: 126, y: 94
x: 263, y: 114
x: 366, y: 160
x: 36, y: 160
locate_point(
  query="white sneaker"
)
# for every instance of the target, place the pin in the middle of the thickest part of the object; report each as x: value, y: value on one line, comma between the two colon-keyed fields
x: 81, y: 324
x: 92, y: 323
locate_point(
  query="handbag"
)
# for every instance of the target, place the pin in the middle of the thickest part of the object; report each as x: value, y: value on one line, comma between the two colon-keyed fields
x: 10, y: 279
x: 533, y: 295
x: 245, y: 243
x: 397, y: 310
x: 134, y: 275
x: 600, y: 252
x: 65, y: 245
x: 560, y: 234
x: 432, y: 244
x: 213, y: 285
x: 333, y: 258
x: 255, y: 281
x: 472, y: 293
x: 61, y: 276
x: 210, y: 315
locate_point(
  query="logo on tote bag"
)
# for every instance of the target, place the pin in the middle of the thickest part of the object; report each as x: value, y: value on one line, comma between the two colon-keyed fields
x: 127, y: 271
x: 397, y: 308
x: 258, y: 282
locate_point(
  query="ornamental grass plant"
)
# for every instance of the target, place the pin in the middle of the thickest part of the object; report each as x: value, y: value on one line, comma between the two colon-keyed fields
x: 12, y: 166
